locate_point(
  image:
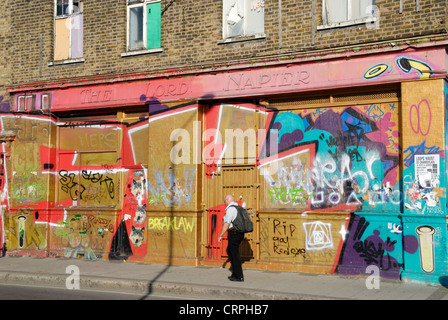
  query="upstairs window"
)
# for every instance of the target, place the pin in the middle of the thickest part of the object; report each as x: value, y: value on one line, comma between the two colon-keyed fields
x: 144, y: 24
x: 243, y: 18
x: 68, y: 30
x: 347, y: 12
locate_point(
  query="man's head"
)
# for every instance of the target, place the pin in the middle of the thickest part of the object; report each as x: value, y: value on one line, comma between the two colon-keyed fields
x: 228, y: 199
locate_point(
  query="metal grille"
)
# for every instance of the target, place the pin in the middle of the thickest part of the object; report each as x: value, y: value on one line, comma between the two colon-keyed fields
x: 349, y: 97
x: 292, y: 102
x: 392, y: 94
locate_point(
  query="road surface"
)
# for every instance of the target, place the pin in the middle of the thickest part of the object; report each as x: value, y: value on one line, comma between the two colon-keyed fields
x: 21, y: 291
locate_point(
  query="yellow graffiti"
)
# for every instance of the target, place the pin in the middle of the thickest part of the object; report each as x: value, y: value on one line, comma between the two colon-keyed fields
x: 375, y: 71
x: 168, y: 223
x: 407, y: 65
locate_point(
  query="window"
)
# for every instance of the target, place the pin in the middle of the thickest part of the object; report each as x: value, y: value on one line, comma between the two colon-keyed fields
x: 68, y: 30
x: 243, y: 18
x: 144, y: 24
x: 26, y: 102
x: 347, y: 12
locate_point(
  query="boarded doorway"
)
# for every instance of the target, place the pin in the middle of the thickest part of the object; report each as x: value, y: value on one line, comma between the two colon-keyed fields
x: 240, y: 182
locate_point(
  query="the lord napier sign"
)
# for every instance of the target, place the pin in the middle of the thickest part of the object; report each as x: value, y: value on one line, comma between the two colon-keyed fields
x: 248, y: 82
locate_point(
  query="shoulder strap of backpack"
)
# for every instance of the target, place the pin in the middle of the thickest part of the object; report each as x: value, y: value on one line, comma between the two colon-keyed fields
x: 237, y: 209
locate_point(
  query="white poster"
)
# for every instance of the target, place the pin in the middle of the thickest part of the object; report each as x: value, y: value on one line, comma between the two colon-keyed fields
x: 427, y: 169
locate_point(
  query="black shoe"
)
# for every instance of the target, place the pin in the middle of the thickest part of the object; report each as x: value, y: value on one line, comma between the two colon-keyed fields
x: 236, y: 279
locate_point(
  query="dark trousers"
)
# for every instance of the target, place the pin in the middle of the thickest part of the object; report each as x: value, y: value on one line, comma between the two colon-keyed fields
x: 233, y: 250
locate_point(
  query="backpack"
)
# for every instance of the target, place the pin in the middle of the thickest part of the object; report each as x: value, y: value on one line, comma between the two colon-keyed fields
x: 242, y: 222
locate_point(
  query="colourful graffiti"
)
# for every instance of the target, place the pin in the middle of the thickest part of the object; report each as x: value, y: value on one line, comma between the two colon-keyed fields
x: 342, y: 186
x: 130, y: 237
x: 342, y: 157
x: 364, y: 247
x: 405, y: 64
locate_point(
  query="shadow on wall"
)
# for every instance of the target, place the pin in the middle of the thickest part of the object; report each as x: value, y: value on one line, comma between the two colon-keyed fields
x: 4, y: 105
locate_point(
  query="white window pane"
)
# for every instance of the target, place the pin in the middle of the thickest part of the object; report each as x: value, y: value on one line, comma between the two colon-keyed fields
x: 136, y: 28
x: 76, y: 36
x: 368, y: 8
x: 335, y: 11
x: 355, y: 10
x: 360, y: 9
x: 255, y: 17
x: 233, y: 18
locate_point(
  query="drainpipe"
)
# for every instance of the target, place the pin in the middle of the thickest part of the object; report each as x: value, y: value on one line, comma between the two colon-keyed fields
x: 312, y: 23
x: 279, y: 24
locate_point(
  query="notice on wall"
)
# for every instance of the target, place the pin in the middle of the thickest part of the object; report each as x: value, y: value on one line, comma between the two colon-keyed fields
x: 427, y: 169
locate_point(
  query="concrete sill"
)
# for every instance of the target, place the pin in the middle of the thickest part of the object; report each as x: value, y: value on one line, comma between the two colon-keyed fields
x: 65, y: 62
x: 367, y: 21
x: 141, y: 52
x: 242, y: 39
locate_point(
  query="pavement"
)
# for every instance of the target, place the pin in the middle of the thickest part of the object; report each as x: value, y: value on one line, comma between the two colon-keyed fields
x: 204, y: 282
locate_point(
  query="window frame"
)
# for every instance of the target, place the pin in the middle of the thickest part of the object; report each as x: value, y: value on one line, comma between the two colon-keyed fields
x: 369, y: 18
x: 245, y: 36
x: 70, y: 9
x: 135, y: 51
x: 67, y: 15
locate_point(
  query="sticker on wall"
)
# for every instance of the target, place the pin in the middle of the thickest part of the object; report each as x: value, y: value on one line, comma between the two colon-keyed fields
x: 427, y: 169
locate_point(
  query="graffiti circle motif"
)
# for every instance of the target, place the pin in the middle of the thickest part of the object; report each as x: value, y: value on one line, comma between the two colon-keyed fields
x: 375, y: 71
x: 418, y: 114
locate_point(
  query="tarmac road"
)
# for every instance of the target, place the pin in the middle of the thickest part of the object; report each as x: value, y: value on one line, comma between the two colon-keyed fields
x: 20, y: 291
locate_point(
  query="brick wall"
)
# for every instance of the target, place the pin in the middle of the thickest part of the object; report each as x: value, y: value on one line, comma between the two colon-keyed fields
x: 191, y: 34
x: 4, y: 59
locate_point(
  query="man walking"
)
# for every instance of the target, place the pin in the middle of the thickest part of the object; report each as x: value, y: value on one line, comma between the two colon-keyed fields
x: 234, y: 237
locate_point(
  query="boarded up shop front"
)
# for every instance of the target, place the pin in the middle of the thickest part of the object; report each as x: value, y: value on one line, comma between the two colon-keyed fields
x: 330, y: 167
